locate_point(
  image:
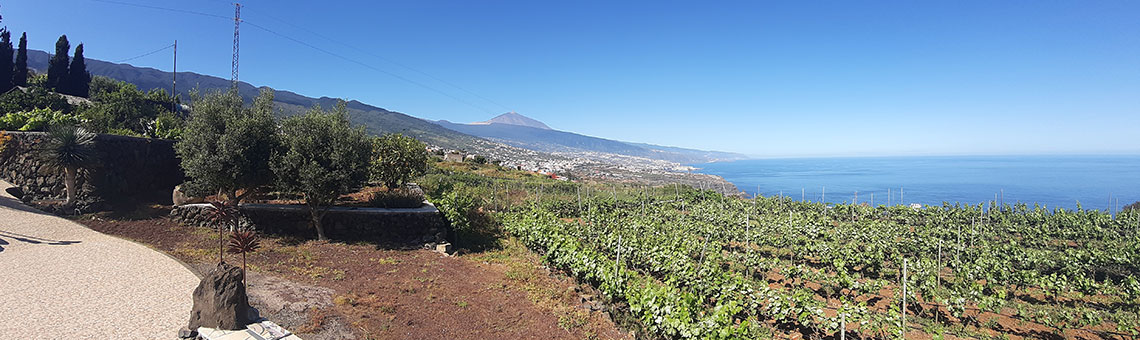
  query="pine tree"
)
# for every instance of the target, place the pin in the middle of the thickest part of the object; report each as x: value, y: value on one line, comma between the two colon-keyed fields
x: 78, y: 80
x: 20, y: 71
x: 57, y: 67
x: 5, y: 60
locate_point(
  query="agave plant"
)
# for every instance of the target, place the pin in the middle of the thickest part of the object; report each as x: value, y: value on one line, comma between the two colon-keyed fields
x: 222, y: 213
x: 243, y: 242
x: 68, y: 148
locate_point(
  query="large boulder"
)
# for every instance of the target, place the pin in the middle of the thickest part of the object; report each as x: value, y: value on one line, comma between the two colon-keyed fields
x: 181, y: 198
x: 220, y: 301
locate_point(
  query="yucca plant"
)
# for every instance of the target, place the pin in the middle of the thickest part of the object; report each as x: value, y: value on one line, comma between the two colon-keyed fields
x: 221, y: 213
x: 243, y: 242
x: 68, y: 148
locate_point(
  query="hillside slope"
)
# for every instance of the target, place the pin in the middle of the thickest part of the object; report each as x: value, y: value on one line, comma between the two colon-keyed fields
x: 548, y: 140
x: 375, y: 119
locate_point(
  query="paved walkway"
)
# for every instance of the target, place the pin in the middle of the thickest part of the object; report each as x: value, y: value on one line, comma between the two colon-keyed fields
x: 60, y: 280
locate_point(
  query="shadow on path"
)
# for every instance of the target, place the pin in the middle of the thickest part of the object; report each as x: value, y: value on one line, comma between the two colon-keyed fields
x: 14, y: 204
x: 30, y: 240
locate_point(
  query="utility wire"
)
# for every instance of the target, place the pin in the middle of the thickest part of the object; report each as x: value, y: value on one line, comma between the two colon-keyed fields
x: 324, y: 51
x: 165, y: 9
x: 390, y: 61
x: 145, y: 54
x: 368, y: 66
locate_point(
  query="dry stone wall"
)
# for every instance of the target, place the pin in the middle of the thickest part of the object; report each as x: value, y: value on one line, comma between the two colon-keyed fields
x: 394, y: 227
x: 129, y: 169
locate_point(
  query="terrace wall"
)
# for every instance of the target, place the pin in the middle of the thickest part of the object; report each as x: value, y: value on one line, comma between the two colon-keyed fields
x: 392, y: 227
x: 130, y: 169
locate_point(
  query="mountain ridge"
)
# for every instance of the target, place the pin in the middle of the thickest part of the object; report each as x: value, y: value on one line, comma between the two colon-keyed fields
x: 494, y: 137
x: 559, y: 142
x: 376, y: 120
x: 514, y: 118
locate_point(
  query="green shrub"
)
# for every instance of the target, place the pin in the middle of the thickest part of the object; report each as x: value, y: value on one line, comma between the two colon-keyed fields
x: 119, y: 106
x: 33, y: 98
x: 36, y: 120
x: 473, y: 228
x: 168, y: 126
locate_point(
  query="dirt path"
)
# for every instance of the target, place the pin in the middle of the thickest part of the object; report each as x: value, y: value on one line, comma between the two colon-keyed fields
x: 61, y: 280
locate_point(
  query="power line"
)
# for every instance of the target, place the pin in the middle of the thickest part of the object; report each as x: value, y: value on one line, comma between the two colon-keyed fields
x: 145, y: 54
x: 327, y: 52
x: 377, y: 56
x: 368, y: 66
x: 164, y: 9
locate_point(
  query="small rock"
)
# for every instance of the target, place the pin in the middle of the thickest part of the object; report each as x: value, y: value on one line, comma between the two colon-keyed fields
x: 444, y: 248
x: 16, y: 192
x: 586, y: 297
x: 187, y: 334
x: 180, y: 198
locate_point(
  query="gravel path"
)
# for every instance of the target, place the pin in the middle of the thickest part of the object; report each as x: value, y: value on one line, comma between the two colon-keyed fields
x: 59, y: 279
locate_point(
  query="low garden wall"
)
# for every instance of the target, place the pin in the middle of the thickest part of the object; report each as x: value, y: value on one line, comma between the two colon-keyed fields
x: 398, y: 227
x: 129, y: 169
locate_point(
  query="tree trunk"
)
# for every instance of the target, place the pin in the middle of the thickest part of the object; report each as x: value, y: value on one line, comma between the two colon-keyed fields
x: 244, y: 274
x: 317, y: 216
x: 69, y: 183
x: 221, y: 244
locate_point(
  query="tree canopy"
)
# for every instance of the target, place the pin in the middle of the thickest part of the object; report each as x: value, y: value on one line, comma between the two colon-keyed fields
x: 398, y: 159
x: 20, y: 70
x: 323, y: 156
x: 57, y: 67
x: 5, y: 60
x: 226, y: 147
x: 77, y: 81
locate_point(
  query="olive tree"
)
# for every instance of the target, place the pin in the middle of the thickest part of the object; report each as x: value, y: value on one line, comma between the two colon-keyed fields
x: 398, y: 159
x: 226, y: 146
x: 322, y: 157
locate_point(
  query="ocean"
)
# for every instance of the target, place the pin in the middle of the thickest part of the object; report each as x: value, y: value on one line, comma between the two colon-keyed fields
x: 1096, y: 182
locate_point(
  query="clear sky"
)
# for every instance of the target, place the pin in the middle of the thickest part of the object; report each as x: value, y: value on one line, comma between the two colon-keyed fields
x: 829, y: 78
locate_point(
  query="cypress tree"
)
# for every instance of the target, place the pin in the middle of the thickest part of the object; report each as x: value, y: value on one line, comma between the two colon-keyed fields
x: 20, y: 71
x: 57, y: 67
x: 78, y: 80
x: 5, y: 60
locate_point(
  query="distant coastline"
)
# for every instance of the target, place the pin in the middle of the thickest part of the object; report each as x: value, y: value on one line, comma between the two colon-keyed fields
x: 1050, y: 180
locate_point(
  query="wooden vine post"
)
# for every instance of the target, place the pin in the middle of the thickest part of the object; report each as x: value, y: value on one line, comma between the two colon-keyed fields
x: 842, y: 326
x: 902, y: 331
x: 578, y: 190
x: 938, y: 269
x: 617, y: 263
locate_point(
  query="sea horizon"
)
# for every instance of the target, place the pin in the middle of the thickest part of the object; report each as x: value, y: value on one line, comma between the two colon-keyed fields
x: 1092, y: 181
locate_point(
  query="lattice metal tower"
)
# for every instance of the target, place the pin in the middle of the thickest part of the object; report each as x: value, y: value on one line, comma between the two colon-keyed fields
x: 237, y: 23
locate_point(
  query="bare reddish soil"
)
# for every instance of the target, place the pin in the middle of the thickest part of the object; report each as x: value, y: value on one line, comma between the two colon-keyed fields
x: 385, y: 293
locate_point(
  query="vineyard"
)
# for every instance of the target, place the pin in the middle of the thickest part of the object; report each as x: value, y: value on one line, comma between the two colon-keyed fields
x: 686, y: 263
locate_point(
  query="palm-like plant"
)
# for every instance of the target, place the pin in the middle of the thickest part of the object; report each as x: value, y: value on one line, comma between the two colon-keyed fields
x: 69, y: 148
x: 243, y: 242
x: 222, y: 213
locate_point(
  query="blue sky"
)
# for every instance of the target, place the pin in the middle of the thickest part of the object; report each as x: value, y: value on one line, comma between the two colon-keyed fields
x: 829, y: 78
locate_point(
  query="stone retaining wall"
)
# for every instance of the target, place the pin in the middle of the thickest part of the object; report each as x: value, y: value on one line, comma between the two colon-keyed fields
x: 130, y: 169
x: 400, y: 227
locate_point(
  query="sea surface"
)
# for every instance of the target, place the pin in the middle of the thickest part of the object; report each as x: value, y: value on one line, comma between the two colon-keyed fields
x: 1096, y: 182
